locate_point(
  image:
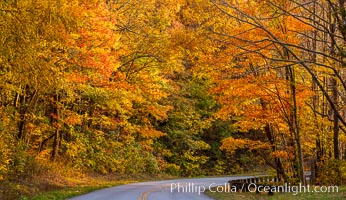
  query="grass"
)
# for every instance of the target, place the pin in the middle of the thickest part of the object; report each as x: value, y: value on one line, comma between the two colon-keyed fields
x: 55, y: 185
x: 59, y: 188
x: 277, y: 196
x: 70, y: 192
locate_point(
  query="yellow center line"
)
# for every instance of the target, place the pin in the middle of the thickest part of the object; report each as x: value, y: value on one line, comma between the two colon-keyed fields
x: 144, y: 195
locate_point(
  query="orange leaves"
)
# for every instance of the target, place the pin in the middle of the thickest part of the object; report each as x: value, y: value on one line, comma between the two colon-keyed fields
x: 231, y: 144
x: 298, y: 25
x: 71, y: 118
x: 158, y: 112
x: 281, y: 154
x: 95, y: 43
x: 150, y: 133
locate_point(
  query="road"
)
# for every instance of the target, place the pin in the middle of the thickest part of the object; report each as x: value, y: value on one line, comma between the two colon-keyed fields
x: 182, y: 189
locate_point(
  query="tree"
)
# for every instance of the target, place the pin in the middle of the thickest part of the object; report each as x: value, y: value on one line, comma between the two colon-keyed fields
x: 276, y: 42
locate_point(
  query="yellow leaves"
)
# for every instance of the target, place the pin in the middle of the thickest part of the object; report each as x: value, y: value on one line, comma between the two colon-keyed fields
x: 43, y: 157
x: 159, y: 112
x: 147, y: 145
x: 327, y: 69
x: 192, y: 161
x: 197, y: 144
x: 74, y: 36
x: 5, y: 152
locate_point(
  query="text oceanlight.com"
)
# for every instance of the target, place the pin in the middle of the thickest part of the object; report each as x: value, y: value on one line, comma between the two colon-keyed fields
x: 190, y: 187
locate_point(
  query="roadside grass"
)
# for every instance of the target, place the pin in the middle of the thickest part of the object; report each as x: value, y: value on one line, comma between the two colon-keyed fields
x: 71, y: 192
x: 341, y: 194
x: 53, y: 186
x: 78, y: 185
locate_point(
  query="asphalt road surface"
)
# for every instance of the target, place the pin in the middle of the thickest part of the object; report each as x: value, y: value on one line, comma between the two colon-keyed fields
x: 182, y: 189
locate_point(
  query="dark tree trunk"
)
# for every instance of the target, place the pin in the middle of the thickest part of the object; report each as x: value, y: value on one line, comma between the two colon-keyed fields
x: 336, y: 120
x: 55, y: 123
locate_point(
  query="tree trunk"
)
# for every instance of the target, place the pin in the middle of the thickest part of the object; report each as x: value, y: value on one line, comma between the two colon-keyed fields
x: 55, y: 123
x: 333, y: 81
x: 280, y: 172
x: 56, y: 145
x: 335, y: 120
x: 295, y: 125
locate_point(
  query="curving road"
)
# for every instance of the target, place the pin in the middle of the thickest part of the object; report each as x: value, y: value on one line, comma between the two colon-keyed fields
x: 182, y: 189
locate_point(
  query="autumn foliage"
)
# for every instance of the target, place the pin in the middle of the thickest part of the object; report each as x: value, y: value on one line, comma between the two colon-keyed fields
x: 180, y: 87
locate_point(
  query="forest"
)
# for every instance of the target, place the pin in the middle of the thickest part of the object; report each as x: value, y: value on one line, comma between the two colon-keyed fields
x: 180, y: 87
